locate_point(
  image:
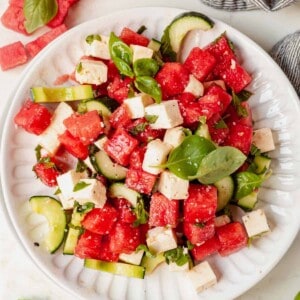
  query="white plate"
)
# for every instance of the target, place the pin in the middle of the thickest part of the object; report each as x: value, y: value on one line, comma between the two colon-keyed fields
x: 275, y: 105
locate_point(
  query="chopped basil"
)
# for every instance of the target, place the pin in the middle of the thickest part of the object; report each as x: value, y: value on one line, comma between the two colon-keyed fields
x: 80, y: 185
x: 254, y: 150
x: 57, y: 192
x: 92, y: 37
x: 200, y: 224
x: 141, y: 29
x: 177, y: 256
x: 79, y: 68
x: 220, y: 124
x: 151, y: 118
x: 244, y: 95
x: 141, y: 214
x: 241, y: 110
x: 149, y: 85
x: 81, y: 166
x: 190, y: 246
x: 38, y: 154
x: 146, y: 249
x: 138, y: 128
x: 84, y: 208
x: 247, y: 182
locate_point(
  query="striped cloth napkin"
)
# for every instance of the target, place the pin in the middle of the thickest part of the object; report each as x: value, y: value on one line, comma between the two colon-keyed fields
x: 287, y: 51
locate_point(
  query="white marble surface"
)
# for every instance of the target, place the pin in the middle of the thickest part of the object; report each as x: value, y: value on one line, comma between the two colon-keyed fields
x: 20, y: 278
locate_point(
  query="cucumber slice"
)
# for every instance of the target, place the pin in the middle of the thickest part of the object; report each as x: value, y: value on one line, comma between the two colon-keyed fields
x: 176, y: 31
x: 120, y: 190
x: 75, y: 228
x: 60, y: 94
x: 248, y: 202
x: 150, y: 263
x: 154, y: 45
x: 116, y: 268
x: 105, y: 106
x: 262, y: 163
x: 107, y: 167
x: 225, y: 187
x: 53, y: 211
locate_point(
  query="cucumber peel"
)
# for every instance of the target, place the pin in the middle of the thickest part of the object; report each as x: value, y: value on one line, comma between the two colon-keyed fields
x: 53, y: 211
x: 175, y: 32
x: 61, y: 94
x: 116, y: 268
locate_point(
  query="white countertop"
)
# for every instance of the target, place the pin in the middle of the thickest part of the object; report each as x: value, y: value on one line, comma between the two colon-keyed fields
x: 20, y: 278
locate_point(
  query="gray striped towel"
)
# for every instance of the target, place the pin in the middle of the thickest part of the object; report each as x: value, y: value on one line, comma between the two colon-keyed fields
x: 248, y: 4
x: 287, y: 51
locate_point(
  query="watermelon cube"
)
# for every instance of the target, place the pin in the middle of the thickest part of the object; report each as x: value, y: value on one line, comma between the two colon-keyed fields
x: 19, y: 3
x: 12, y: 55
x: 120, y: 117
x: 129, y: 37
x: 173, y: 77
x: 163, y: 212
x: 232, y: 237
x: 62, y: 12
x: 200, y: 63
x: 87, y: 127
x: 100, y: 220
x: 197, y: 233
x: 218, y: 129
x: 140, y: 181
x: 120, y: 146
x: 201, y: 204
x: 34, y: 47
x: 209, y: 247
x: 33, y: 117
x: 13, y: 18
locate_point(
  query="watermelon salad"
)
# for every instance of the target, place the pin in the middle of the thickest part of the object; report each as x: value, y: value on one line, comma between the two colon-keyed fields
x: 161, y: 150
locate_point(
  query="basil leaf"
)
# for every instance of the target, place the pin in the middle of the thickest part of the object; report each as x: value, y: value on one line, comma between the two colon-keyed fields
x: 38, y: 13
x: 141, y: 29
x: 81, y: 166
x: 145, y: 67
x: 38, y: 153
x: 141, y: 214
x: 177, y: 256
x: 151, y: 118
x: 145, y: 248
x: 80, y: 185
x: 184, y: 160
x: 219, y: 163
x: 297, y: 297
x: 123, y: 67
x: 148, y: 85
x: 83, y: 208
x: 121, y: 54
x: 247, y: 182
x: 138, y: 128
x: 240, y: 109
x: 244, y: 95
x: 92, y: 37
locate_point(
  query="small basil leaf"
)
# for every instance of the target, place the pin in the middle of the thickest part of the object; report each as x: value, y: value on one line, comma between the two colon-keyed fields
x: 80, y: 185
x: 244, y: 95
x: 247, y: 182
x: 148, y: 85
x: 92, y: 37
x: 38, y: 154
x: 145, y: 248
x: 184, y: 160
x: 141, y: 29
x: 141, y: 214
x: 123, y: 67
x: 38, y: 13
x: 177, y: 256
x: 145, y: 67
x: 151, y: 118
x: 240, y: 109
x: 121, y: 55
x: 219, y: 163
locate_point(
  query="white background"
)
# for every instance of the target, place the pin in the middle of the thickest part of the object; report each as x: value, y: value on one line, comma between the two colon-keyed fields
x: 20, y: 278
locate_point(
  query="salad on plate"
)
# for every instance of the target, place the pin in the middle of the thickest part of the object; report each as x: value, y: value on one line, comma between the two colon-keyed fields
x: 145, y: 153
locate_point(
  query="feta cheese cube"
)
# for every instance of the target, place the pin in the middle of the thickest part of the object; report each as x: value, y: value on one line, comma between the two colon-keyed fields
x: 222, y: 220
x: 161, y: 239
x: 133, y: 258
x: 98, y: 48
x: 100, y: 142
x: 155, y: 155
x: 174, y: 136
x: 173, y: 187
x: 141, y: 52
x: 263, y: 139
x: 194, y: 87
x: 67, y: 203
x: 202, y: 276
x: 49, y: 138
x: 167, y: 112
x: 91, y: 72
x: 255, y: 223
x: 68, y: 180
x: 94, y: 192
x: 136, y: 105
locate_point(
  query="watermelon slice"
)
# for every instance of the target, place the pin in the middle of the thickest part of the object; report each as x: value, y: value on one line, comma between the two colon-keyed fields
x: 12, y: 55
x: 34, y: 47
x: 62, y: 12
x: 13, y: 18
